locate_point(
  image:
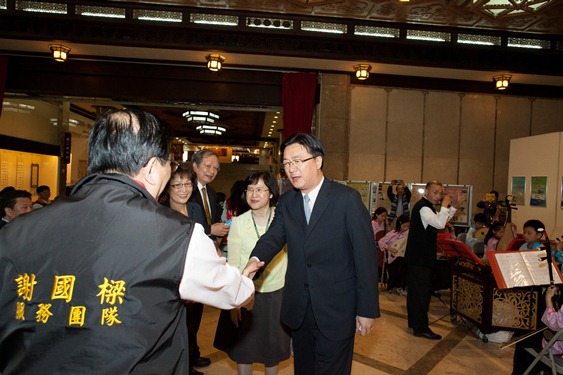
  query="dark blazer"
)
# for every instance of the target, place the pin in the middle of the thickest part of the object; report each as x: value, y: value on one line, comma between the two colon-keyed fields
x: 332, y: 260
x: 194, y: 212
x: 215, y: 214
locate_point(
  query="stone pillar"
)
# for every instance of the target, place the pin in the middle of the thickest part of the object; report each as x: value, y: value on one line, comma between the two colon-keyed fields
x: 332, y: 124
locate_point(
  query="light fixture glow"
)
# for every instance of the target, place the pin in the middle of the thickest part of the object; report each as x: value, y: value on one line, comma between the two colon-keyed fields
x: 215, y: 62
x: 205, y: 122
x: 502, y: 81
x: 362, y: 71
x: 59, y: 52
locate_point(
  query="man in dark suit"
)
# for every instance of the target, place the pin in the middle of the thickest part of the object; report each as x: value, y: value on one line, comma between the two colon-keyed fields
x: 331, y: 282
x: 206, y: 166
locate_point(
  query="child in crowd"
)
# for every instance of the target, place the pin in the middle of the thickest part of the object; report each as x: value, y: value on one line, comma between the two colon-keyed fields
x: 379, y: 221
x: 531, y: 234
x: 495, y: 233
x: 479, y: 221
x: 395, y: 242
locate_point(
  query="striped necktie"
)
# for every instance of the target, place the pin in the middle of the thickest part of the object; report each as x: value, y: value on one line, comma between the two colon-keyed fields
x: 206, y: 205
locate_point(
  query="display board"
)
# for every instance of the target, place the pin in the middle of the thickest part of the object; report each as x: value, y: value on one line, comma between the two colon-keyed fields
x: 463, y: 214
x: 365, y: 188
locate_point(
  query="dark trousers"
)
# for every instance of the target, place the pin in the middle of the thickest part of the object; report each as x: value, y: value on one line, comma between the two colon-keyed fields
x: 419, y: 280
x: 193, y: 319
x: 314, y: 354
x: 397, y: 274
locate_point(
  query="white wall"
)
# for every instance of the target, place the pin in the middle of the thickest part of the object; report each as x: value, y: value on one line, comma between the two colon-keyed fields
x: 538, y: 156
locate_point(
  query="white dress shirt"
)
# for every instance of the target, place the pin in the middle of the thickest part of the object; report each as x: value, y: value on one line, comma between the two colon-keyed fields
x: 437, y: 220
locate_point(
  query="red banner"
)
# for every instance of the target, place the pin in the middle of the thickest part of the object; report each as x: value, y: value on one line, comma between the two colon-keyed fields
x: 298, y: 98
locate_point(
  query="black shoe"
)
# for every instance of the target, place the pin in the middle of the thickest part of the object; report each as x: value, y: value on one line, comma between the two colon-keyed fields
x: 428, y: 335
x: 193, y: 371
x: 201, y: 362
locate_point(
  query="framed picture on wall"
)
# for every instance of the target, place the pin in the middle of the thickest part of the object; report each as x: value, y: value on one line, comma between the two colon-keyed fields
x: 34, y: 175
x: 518, y: 190
x: 538, y: 191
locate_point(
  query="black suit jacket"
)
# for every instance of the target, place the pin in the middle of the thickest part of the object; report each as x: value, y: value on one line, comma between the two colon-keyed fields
x: 212, y: 195
x: 332, y: 261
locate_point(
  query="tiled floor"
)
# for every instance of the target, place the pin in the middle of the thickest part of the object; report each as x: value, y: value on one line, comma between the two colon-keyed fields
x: 391, y: 349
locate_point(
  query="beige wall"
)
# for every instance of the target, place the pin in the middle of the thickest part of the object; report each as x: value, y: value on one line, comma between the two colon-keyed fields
x: 421, y: 135
x: 15, y: 170
x: 538, y: 156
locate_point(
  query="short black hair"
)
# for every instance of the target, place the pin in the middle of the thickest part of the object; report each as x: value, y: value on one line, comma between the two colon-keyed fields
x: 42, y: 188
x: 270, y: 182
x: 7, y: 189
x: 533, y: 223
x: 480, y: 218
x: 124, y: 140
x: 10, y: 198
x: 311, y: 143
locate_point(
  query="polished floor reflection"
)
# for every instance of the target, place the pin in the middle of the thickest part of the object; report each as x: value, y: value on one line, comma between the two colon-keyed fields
x: 391, y: 348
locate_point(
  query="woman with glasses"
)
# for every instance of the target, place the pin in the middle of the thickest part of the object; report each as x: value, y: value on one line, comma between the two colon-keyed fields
x: 179, y: 190
x: 255, y: 334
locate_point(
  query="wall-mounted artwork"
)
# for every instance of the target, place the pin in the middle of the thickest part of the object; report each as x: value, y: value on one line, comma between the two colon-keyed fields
x: 518, y: 190
x: 34, y: 175
x: 538, y: 192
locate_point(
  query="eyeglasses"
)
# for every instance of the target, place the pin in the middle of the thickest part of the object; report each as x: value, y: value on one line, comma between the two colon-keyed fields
x: 211, y: 166
x: 258, y: 191
x: 173, y: 166
x: 298, y: 163
x: 179, y: 186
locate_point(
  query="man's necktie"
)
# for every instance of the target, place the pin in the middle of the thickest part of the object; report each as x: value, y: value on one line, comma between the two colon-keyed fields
x: 206, y: 205
x: 306, y: 201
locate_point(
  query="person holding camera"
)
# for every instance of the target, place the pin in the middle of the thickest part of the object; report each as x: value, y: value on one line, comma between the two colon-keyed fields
x: 420, y: 254
x: 400, y: 198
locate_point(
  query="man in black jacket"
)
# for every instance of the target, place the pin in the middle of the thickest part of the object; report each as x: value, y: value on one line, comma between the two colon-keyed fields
x: 95, y: 283
x: 420, y: 254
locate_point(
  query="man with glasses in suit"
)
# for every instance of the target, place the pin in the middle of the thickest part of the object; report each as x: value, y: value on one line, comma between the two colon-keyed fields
x: 331, y: 282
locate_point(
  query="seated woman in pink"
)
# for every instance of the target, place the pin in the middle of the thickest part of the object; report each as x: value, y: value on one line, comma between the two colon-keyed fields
x: 395, y: 243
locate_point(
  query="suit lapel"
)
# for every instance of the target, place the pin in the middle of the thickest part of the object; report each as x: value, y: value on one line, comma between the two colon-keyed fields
x: 321, y: 204
x: 298, y: 209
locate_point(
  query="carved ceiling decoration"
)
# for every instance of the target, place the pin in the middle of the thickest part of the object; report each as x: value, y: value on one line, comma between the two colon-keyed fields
x: 534, y: 16
x: 156, y: 62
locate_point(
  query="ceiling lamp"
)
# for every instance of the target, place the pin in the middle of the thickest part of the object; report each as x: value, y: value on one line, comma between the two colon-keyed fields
x: 59, y: 52
x: 502, y: 81
x: 215, y: 62
x: 362, y: 71
x: 210, y: 129
x: 205, y: 121
x: 205, y: 117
